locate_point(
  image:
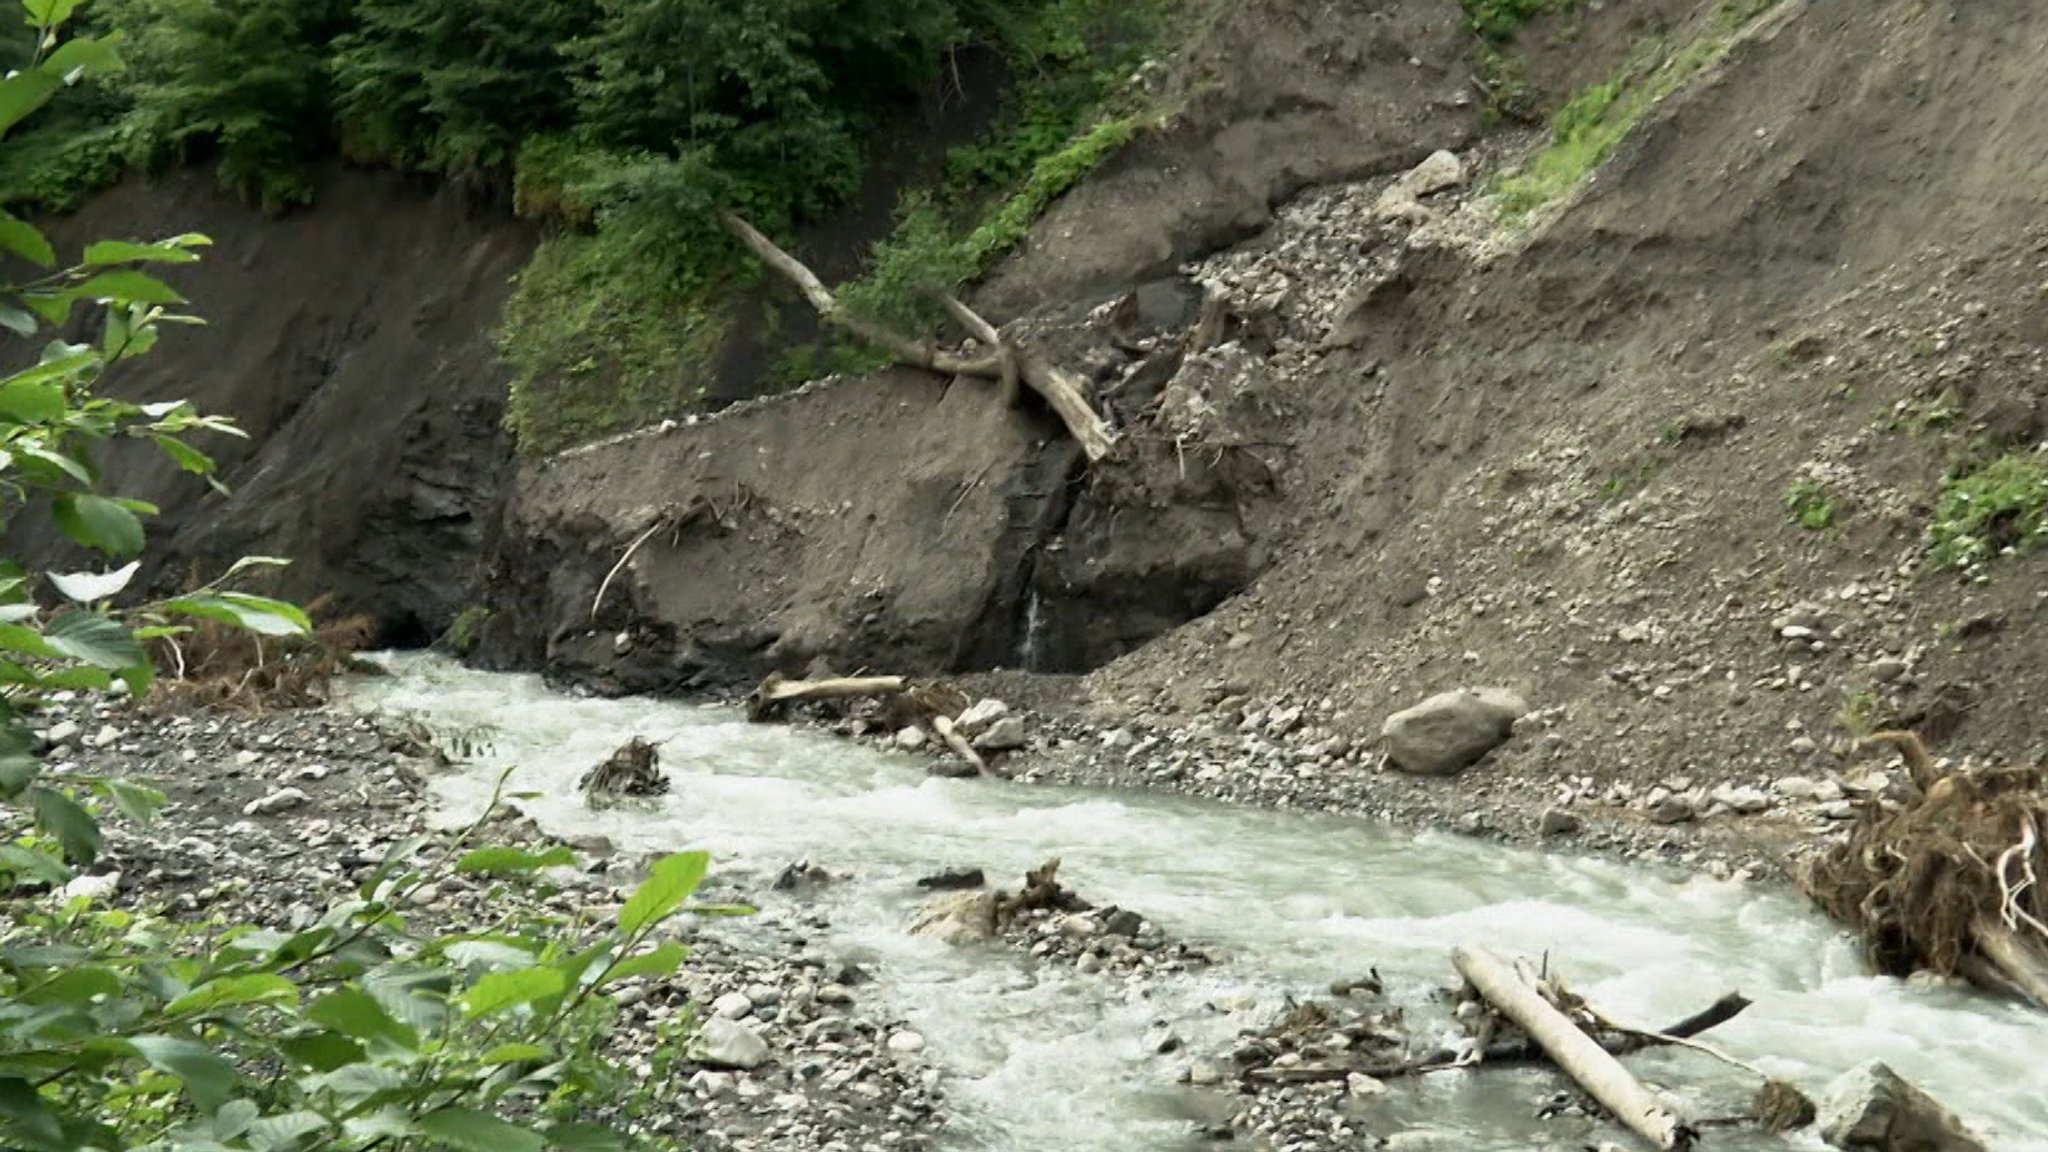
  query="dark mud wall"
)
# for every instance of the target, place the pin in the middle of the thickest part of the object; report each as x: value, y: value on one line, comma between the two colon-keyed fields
x: 353, y: 342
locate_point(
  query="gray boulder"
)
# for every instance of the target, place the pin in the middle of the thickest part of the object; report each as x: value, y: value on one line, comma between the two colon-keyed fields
x: 1446, y: 734
x: 980, y: 715
x: 1870, y: 1108
x: 1005, y: 735
x: 956, y: 918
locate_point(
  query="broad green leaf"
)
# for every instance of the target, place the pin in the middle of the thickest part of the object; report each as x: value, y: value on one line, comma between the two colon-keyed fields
x: 32, y: 401
x: 138, y: 802
x: 489, y: 954
x: 128, y: 286
x: 100, y: 641
x: 48, y: 13
x: 668, y: 884
x: 27, y: 1116
x: 73, y: 826
x: 497, y: 991
x: 585, y: 1138
x: 27, y: 641
x: 98, y: 522
x: 77, y: 679
x: 85, y: 587
x: 209, y: 1080
x: 23, y: 93
x: 321, y: 1051
x: 77, y: 985
x: 21, y: 238
x: 229, y: 991
x: 276, y: 1133
x: 16, y: 321
x: 234, y: 1118
x: 500, y: 861
x: 66, y: 464
x: 514, y: 1054
x: 29, y: 864
x: 661, y: 961
x: 126, y: 251
x: 358, y: 1083
x: 353, y: 1012
x: 474, y: 1131
x: 82, y: 55
x: 258, y: 614
x: 189, y: 458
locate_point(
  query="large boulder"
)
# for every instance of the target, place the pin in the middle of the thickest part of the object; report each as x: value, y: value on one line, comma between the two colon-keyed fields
x: 1870, y: 1108
x: 1446, y: 734
x: 956, y: 918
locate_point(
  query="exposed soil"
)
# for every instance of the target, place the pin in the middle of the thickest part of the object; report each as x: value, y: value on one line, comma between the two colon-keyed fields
x: 353, y: 343
x: 1565, y: 470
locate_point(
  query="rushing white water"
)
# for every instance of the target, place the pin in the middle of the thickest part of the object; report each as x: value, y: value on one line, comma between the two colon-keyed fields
x: 1043, y: 1058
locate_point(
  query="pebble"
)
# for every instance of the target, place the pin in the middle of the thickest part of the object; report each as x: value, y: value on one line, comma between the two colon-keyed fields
x: 282, y: 800
x: 906, y: 1043
x: 733, y: 1006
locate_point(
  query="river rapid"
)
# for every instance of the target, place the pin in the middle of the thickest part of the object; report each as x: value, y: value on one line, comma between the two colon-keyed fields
x: 1039, y: 1057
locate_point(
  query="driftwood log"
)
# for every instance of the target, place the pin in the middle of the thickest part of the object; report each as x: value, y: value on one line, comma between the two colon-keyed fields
x: 1066, y: 393
x: 1579, y: 1055
x: 776, y: 693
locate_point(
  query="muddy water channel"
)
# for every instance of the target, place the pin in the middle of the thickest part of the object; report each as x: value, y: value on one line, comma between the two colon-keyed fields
x: 1041, y: 1057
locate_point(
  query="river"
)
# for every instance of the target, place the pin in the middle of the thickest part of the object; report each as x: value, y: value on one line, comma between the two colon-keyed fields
x: 1042, y: 1058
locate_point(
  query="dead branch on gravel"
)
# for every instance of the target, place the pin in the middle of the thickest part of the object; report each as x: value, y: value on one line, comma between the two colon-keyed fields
x: 1571, y: 1049
x: 217, y: 665
x: 1066, y: 393
x: 1950, y: 881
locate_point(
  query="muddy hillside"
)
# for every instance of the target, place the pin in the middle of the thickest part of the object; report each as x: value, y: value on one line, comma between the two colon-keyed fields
x: 1705, y: 419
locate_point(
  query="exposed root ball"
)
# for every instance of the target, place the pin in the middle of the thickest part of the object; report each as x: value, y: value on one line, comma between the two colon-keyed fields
x: 1966, y: 849
x: 634, y: 770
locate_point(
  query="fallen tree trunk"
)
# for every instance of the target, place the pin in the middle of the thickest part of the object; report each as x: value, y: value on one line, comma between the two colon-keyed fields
x: 943, y: 725
x: 1064, y: 392
x: 776, y: 693
x: 1579, y: 1055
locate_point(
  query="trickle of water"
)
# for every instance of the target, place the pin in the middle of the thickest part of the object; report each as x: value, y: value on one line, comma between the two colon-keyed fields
x: 1032, y: 644
x: 1043, y: 1058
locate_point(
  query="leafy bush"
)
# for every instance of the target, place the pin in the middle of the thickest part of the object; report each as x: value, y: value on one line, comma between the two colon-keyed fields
x: 454, y: 85
x: 1994, y: 508
x: 244, y: 79
x: 1499, y: 20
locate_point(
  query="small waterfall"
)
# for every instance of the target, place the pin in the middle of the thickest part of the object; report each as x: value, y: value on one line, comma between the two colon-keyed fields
x: 1031, y: 645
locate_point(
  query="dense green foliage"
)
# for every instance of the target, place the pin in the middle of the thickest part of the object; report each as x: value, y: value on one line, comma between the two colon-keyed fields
x: 121, y: 1029
x: 1500, y: 19
x: 622, y: 125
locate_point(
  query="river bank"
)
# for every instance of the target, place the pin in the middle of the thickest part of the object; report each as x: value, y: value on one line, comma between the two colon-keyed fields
x: 271, y: 818
x: 1237, y: 914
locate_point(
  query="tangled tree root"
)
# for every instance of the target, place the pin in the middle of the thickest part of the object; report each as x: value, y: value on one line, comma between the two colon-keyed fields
x: 1950, y: 881
x: 633, y: 770
x: 218, y: 666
